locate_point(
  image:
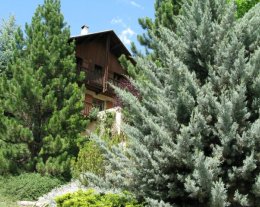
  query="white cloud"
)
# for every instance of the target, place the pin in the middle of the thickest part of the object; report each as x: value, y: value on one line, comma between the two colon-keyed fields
x: 126, y: 34
x: 118, y: 21
x: 131, y: 2
x: 135, y: 4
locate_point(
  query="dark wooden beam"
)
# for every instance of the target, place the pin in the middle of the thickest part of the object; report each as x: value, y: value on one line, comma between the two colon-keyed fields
x: 107, y: 63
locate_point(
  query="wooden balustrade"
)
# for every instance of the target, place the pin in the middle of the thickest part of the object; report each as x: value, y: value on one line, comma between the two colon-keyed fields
x: 95, y: 79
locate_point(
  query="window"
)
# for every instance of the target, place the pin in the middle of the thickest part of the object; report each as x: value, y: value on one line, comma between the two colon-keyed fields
x: 79, y: 62
x: 117, y: 77
x: 98, y: 69
x: 97, y: 103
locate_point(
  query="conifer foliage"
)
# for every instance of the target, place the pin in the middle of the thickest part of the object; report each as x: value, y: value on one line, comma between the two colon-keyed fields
x: 7, y: 34
x: 194, y: 138
x: 243, y: 6
x: 42, y: 101
x: 165, y: 14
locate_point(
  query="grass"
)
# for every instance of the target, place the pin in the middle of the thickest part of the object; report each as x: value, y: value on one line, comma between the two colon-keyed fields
x: 24, y: 187
x: 7, y: 202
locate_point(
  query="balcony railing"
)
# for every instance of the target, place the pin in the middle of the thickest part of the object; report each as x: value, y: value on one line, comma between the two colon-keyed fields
x: 114, y: 82
x: 95, y: 79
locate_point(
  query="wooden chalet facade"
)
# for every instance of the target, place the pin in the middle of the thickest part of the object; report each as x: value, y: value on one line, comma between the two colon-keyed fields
x: 97, y: 55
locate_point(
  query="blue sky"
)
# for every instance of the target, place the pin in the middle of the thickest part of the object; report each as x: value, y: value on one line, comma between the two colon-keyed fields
x: 119, y: 15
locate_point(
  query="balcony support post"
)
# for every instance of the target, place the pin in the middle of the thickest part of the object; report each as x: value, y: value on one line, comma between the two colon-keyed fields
x: 105, y: 78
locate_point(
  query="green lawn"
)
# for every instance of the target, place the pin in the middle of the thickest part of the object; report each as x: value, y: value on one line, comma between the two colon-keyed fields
x: 7, y: 202
x: 25, y: 187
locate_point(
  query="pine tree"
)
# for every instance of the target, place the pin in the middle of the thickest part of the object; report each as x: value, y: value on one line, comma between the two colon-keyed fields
x: 195, y: 132
x: 7, y: 35
x: 42, y: 101
x: 8, y: 29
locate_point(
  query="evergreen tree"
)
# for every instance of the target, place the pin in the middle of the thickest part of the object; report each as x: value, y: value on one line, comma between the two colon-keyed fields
x: 165, y: 15
x: 165, y: 12
x: 42, y: 101
x: 7, y: 35
x: 8, y: 29
x: 195, y: 132
x: 244, y: 6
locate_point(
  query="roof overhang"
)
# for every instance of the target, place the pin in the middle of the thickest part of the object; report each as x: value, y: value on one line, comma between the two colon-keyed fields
x: 116, y: 45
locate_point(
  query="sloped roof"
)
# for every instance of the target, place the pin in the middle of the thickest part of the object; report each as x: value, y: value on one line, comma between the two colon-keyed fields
x: 116, y: 45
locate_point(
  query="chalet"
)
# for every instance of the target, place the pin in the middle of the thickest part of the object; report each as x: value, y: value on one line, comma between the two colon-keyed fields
x: 97, y: 55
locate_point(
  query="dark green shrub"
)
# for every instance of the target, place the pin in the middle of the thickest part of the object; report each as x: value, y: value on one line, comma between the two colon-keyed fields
x: 109, y: 119
x: 94, y: 199
x: 93, y: 114
x: 27, y: 186
x: 89, y: 159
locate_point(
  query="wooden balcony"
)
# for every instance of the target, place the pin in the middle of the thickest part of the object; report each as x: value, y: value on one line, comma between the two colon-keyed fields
x: 114, y: 82
x: 94, y: 80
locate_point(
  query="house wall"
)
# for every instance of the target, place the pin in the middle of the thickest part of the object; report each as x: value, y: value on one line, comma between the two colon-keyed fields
x: 92, y: 53
x: 95, y: 53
